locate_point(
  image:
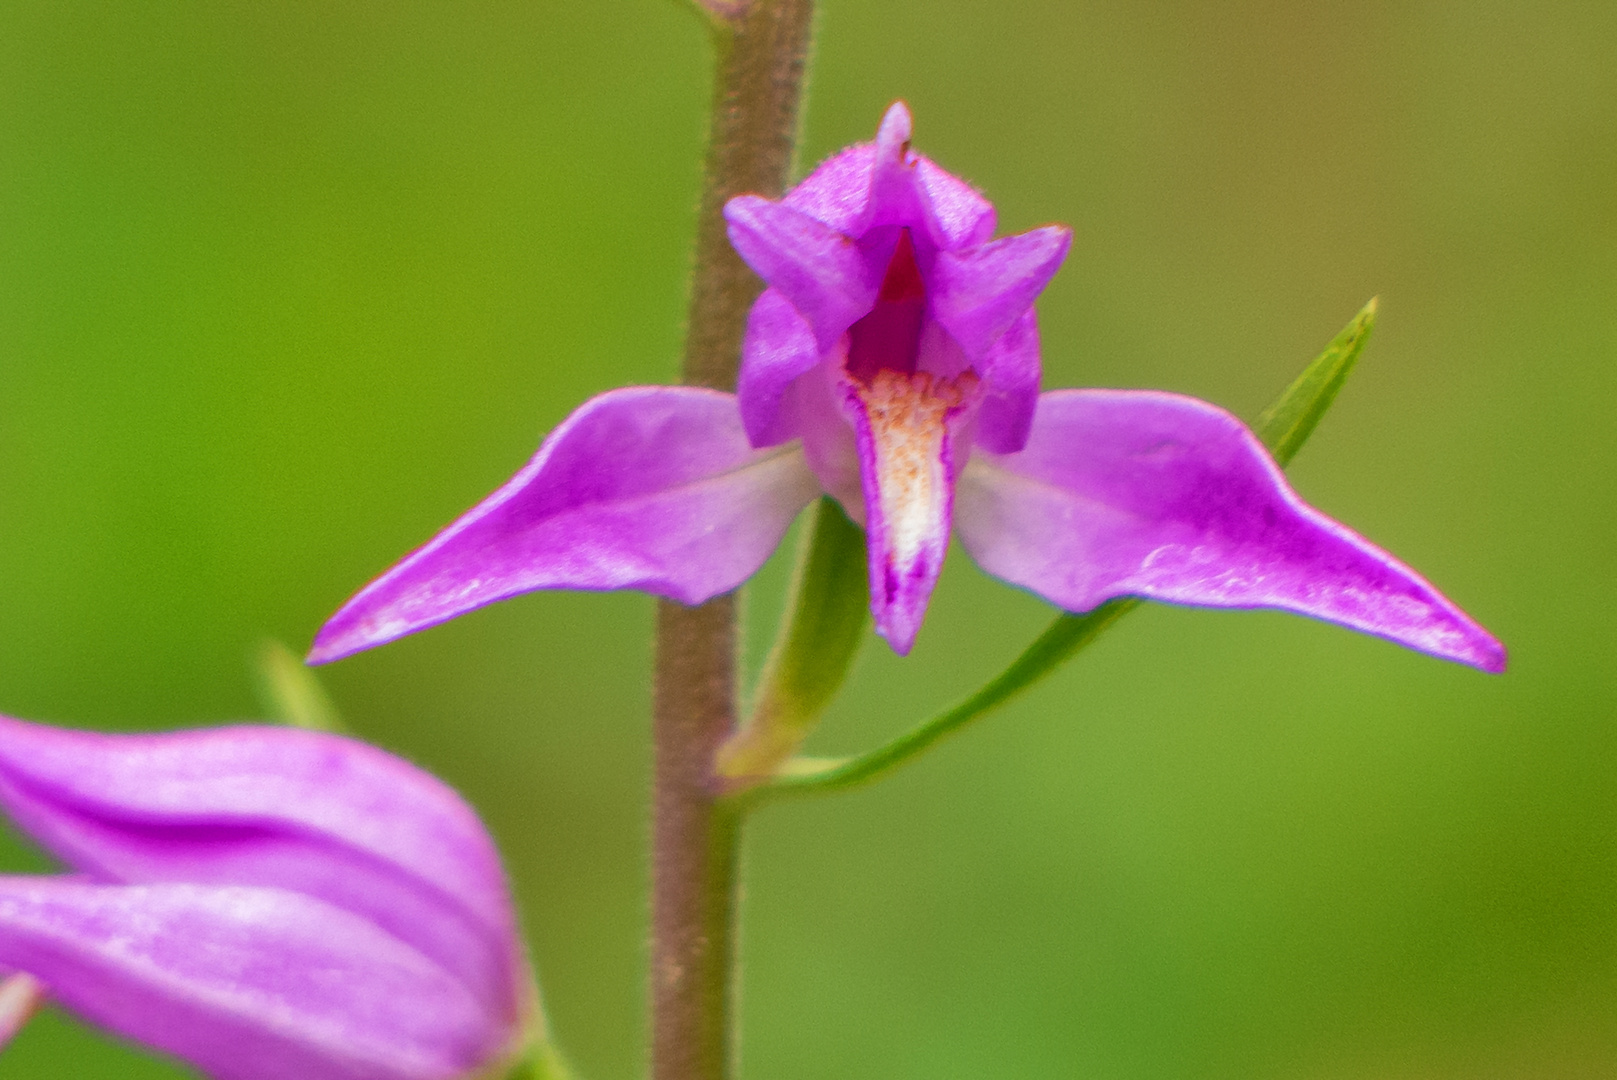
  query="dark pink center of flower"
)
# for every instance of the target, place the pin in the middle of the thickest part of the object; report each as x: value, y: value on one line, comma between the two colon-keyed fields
x: 889, y: 337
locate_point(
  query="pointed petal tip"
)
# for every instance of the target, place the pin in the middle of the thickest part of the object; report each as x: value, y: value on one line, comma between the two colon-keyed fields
x: 899, y: 633
x: 1487, y: 654
x: 742, y: 208
x: 351, y: 630
x: 896, y: 125
x: 325, y: 650
x: 21, y: 996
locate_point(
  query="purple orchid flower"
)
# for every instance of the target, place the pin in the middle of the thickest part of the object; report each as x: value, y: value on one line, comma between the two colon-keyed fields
x: 893, y: 363
x: 266, y: 903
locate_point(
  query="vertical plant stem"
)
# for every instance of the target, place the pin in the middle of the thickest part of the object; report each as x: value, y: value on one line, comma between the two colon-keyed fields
x: 758, y: 78
x: 695, y: 845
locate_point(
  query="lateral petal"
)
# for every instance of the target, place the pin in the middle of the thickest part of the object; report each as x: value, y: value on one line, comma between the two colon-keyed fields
x: 246, y: 983
x: 837, y: 192
x: 276, y: 806
x: 653, y: 488
x: 1151, y: 494
x: 779, y: 346
x: 957, y: 214
x: 979, y: 292
x: 821, y: 271
x: 1011, y: 373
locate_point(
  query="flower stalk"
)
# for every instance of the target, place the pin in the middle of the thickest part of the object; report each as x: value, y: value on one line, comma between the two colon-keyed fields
x: 827, y: 613
x: 758, y: 76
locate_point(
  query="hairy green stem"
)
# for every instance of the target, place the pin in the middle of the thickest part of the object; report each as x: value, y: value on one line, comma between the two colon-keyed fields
x: 761, y: 55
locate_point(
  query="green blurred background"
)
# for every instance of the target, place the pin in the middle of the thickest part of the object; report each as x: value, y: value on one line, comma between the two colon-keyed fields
x: 284, y: 287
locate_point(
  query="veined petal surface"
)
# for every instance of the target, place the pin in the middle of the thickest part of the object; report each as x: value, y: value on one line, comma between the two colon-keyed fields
x: 1152, y: 494
x: 275, y: 806
x: 246, y: 983
x: 654, y: 488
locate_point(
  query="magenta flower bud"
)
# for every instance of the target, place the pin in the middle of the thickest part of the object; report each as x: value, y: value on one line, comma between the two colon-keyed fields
x: 893, y: 363
x: 266, y: 903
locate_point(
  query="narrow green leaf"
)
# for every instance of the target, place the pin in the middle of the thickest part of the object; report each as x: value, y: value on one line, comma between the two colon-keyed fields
x: 1283, y: 427
x: 290, y: 693
x: 1287, y: 424
x: 829, y: 609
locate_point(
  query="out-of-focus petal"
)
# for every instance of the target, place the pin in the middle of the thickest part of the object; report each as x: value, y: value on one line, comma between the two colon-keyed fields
x: 821, y: 271
x: 653, y: 488
x: 1157, y: 495
x: 1010, y: 372
x: 902, y: 424
x: 276, y: 806
x: 779, y: 346
x: 246, y: 983
x: 21, y: 996
x: 978, y: 293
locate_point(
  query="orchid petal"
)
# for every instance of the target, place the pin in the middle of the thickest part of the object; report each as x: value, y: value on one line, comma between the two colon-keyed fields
x: 957, y: 215
x: 822, y: 272
x: 272, y: 806
x: 246, y: 983
x: 837, y: 192
x: 652, y: 488
x: 819, y: 402
x: 1162, y: 496
x: 907, y: 472
x: 978, y: 293
x: 894, y: 199
x: 779, y: 346
x: 1011, y: 372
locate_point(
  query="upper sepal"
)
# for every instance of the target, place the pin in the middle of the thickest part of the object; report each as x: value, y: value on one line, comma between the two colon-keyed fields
x: 868, y: 185
x: 650, y: 487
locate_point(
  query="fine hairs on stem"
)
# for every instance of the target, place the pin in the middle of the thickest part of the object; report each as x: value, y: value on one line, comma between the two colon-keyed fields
x: 758, y: 77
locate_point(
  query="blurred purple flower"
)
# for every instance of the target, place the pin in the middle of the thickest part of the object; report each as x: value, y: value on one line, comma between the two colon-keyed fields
x: 266, y: 903
x: 893, y: 362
